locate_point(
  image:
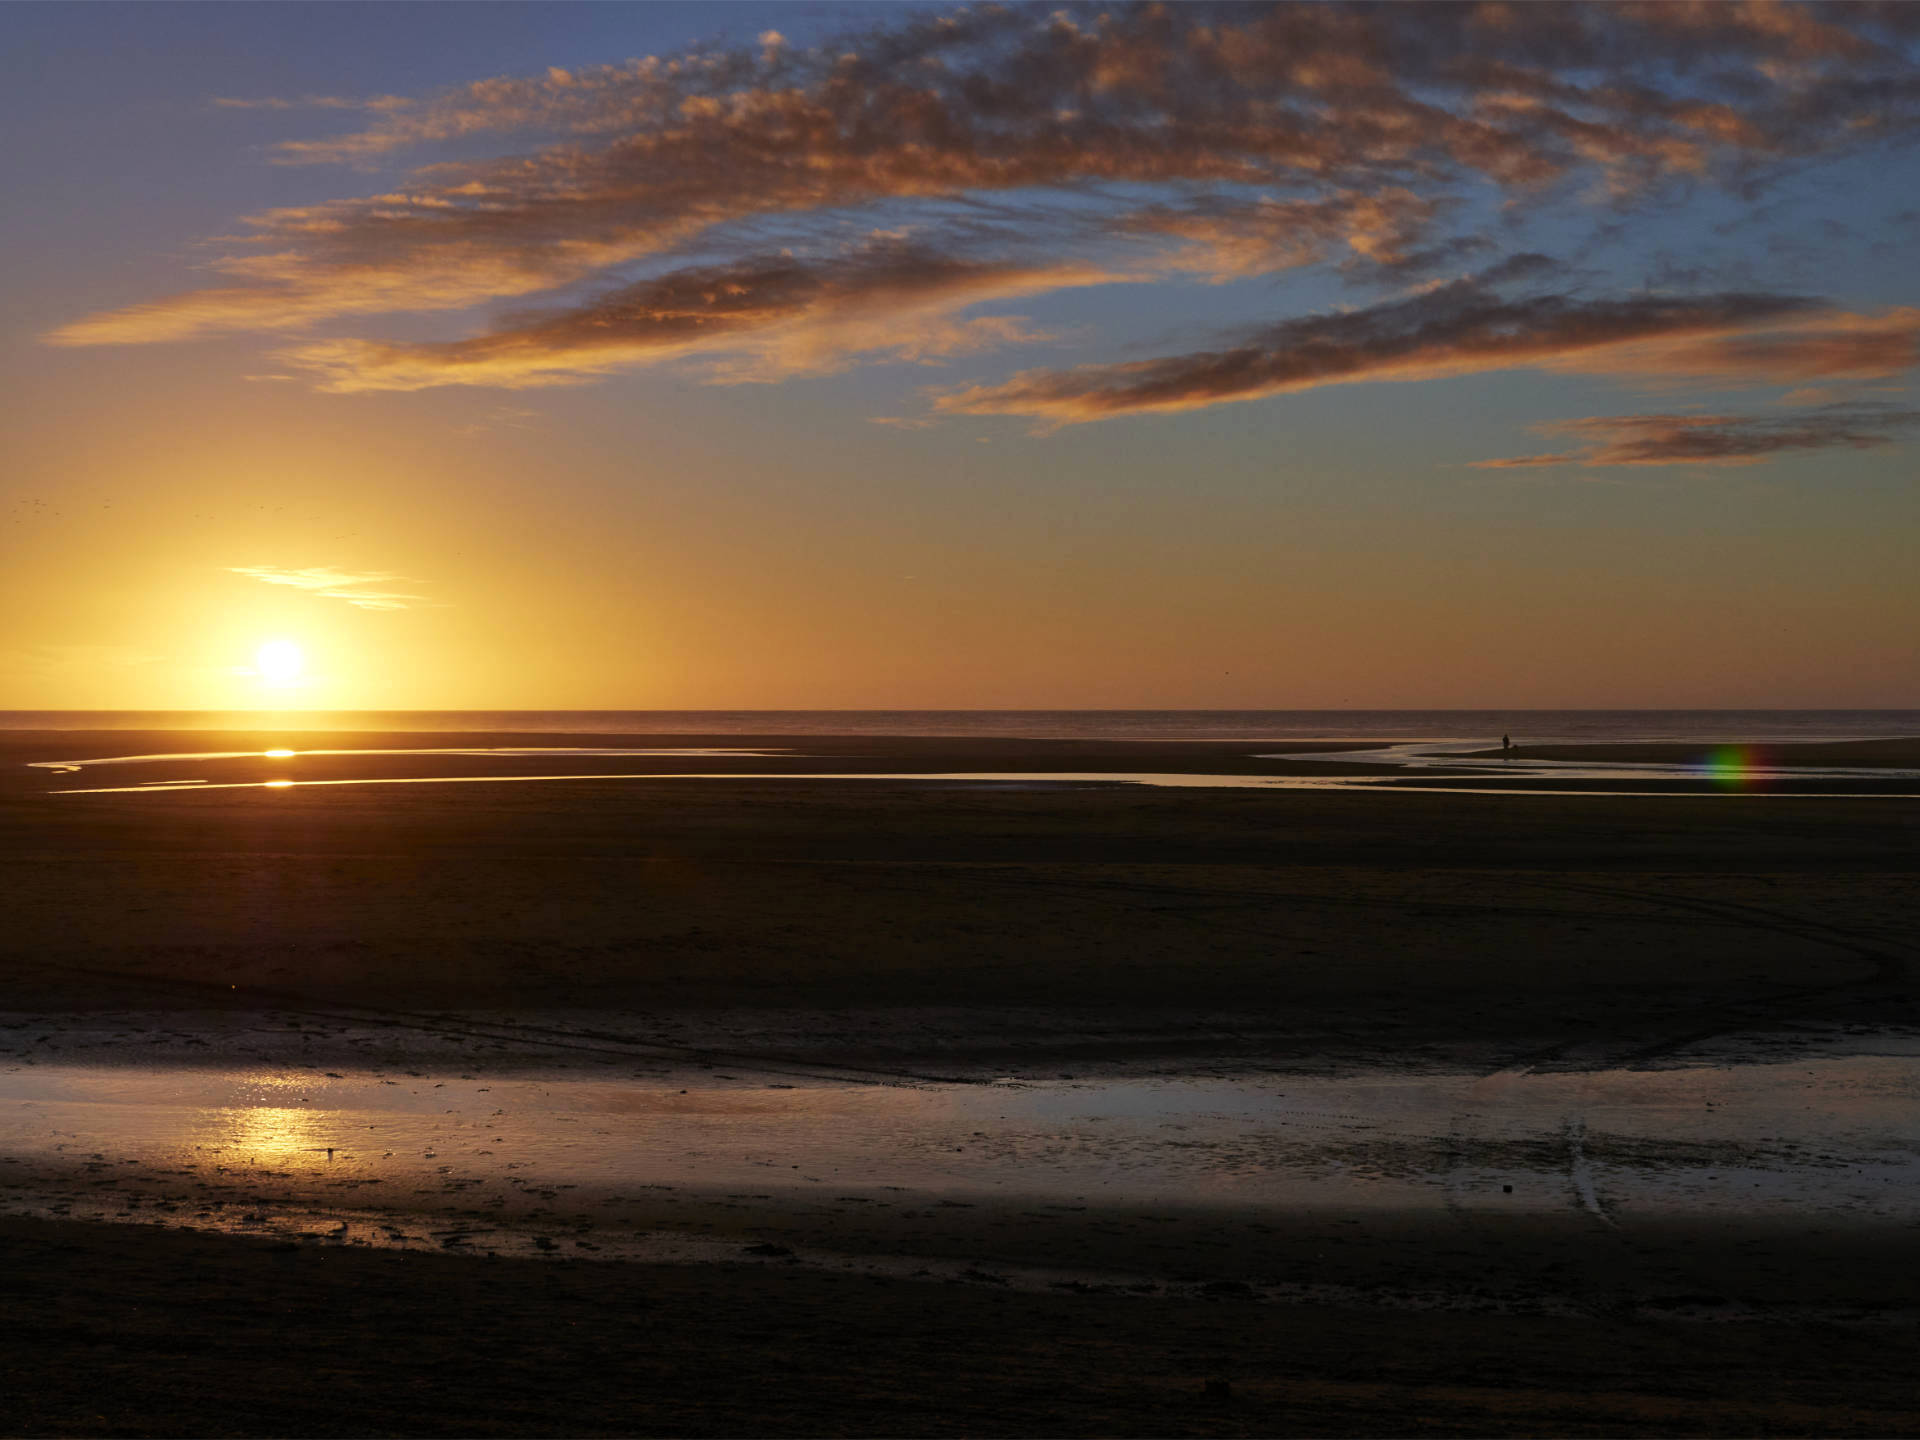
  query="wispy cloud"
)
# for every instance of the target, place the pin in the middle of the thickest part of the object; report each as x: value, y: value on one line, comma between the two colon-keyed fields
x: 1243, y: 139
x: 1825, y: 347
x: 1464, y: 327
x: 1716, y: 439
x: 761, y: 319
x: 328, y: 583
x: 1229, y: 239
x: 500, y: 417
x: 377, y: 104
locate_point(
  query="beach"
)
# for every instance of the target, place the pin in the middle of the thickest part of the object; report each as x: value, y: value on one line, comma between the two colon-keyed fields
x: 1475, y: 969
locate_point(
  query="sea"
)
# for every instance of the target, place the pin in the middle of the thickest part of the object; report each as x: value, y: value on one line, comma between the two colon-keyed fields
x: 1531, y: 727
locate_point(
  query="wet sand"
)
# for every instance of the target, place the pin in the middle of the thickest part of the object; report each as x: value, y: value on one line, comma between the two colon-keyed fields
x: 948, y: 934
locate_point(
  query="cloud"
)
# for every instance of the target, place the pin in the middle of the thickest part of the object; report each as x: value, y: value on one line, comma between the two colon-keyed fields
x: 1268, y: 136
x: 500, y: 417
x: 329, y: 583
x: 1229, y: 240
x: 1826, y: 347
x: 1716, y: 439
x: 377, y: 104
x: 760, y: 319
x: 1463, y: 327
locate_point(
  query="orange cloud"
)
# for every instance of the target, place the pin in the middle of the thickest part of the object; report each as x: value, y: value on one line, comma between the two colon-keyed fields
x: 1461, y: 328
x: 1410, y: 106
x: 1716, y: 439
x: 761, y: 319
x: 1826, y: 347
x: 1229, y: 240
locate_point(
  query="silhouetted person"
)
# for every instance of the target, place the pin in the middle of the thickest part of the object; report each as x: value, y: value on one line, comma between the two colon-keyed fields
x: 1506, y: 746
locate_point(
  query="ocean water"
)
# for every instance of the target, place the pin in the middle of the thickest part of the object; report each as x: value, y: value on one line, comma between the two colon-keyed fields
x: 1532, y: 727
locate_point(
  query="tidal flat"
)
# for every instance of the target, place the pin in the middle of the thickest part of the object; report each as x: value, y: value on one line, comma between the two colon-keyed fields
x: 666, y: 1106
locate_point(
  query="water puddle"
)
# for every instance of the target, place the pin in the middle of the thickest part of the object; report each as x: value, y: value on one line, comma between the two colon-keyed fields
x: 1426, y: 767
x: 1011, y: 779
x: 1380, y: 1189
x: 1828, y: 1135
x: 66, y: 767
x: 1004, y: 780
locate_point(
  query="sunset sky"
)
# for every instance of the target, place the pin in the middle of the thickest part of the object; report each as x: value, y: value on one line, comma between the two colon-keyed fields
x: 821, y: 356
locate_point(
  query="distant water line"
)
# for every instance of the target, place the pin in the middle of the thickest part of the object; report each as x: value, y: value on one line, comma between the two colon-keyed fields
x: 1529, y: 727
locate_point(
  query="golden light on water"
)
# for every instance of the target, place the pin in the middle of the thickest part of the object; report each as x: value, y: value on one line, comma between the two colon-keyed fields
x: 277, y: 754
x: 274, y: 1133
x: 273, y: 1122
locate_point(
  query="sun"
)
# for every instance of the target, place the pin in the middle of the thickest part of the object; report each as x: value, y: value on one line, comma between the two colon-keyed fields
x: 280, y: 663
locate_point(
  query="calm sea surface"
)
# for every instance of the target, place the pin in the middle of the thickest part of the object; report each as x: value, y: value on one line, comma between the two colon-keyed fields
x: 1530, y: 726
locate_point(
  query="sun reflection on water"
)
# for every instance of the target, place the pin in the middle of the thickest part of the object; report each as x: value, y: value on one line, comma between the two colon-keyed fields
x: 266, y: 1132
x: 271, y: 1121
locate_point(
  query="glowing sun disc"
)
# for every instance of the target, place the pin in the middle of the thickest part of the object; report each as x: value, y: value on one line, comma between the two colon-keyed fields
x: 279, y: 662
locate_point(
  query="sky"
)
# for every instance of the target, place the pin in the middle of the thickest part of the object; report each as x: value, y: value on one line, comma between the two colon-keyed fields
x: 816, y: 356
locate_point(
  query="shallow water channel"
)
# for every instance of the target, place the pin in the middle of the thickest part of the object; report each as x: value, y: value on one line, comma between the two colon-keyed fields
x: 1831, y: 1136
x: 1427, y: 766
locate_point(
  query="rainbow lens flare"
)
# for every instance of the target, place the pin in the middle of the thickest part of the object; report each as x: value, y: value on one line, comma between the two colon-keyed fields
x: 1732, y: 767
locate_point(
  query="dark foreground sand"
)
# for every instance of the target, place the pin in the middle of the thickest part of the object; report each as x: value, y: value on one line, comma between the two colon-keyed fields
x: 113, y: 1330
x: 1024, y: 931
